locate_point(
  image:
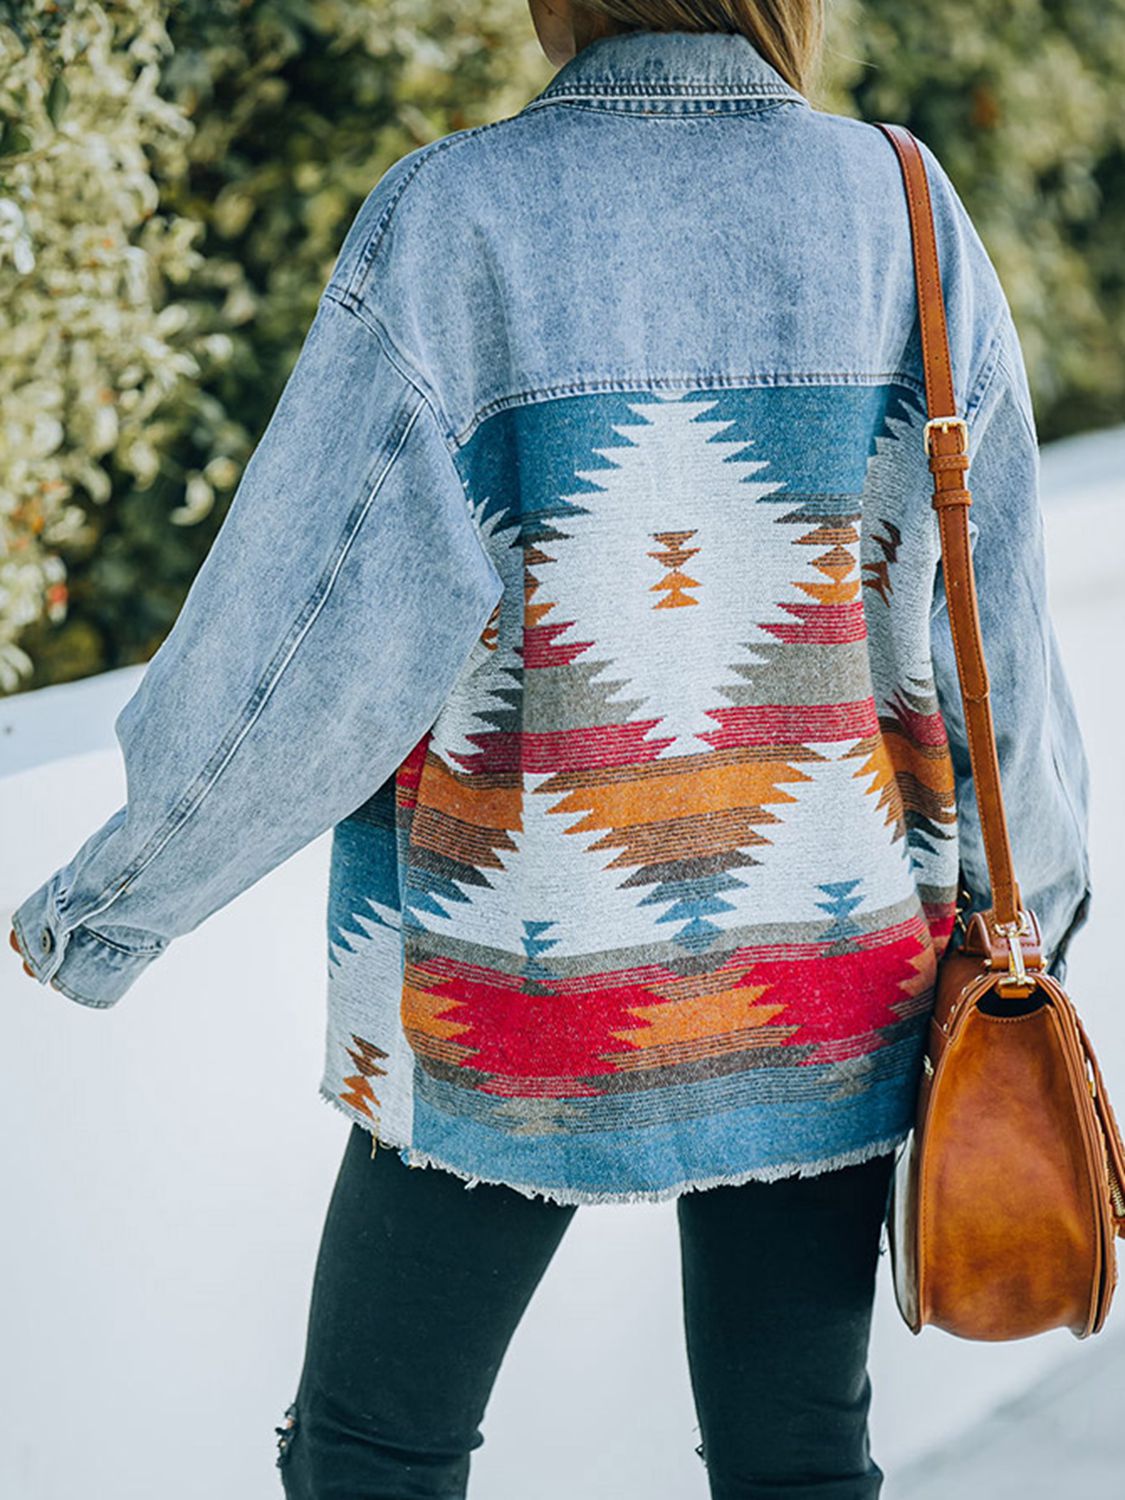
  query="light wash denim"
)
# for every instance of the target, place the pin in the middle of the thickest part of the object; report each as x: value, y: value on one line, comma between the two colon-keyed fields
x: 668, y: 215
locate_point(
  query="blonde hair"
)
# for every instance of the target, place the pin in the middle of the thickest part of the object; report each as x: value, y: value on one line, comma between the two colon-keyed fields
x: 788, y: 33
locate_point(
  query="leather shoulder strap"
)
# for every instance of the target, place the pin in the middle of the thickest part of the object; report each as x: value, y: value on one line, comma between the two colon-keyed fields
x: 946, y: 441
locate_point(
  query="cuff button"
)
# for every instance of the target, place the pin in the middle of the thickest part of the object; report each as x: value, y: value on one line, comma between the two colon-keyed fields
x: 46, y: 941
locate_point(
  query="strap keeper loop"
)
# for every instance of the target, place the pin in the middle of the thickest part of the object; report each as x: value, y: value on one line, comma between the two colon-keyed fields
x: 939, y: 462
x: 945, y: 498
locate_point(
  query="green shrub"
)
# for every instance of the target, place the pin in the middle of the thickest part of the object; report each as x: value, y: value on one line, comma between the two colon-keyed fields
x: 210, y: 154
x: 93, y: 354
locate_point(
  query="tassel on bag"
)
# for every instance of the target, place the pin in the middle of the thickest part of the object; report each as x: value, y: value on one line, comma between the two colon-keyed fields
x: 1007, y: 1199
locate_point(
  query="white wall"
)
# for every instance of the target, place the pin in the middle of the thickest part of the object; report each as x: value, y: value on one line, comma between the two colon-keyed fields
x: 167, y: 1163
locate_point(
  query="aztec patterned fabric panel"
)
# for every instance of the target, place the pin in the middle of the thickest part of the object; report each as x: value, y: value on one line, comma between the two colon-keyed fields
x: 657, y: 902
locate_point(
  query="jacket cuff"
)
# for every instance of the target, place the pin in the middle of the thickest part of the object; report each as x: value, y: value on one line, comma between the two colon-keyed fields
x: 81, y: 964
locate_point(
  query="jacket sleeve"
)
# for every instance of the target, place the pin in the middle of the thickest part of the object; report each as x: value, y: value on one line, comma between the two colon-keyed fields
x: 1043, y: 765
x: 338, y: 604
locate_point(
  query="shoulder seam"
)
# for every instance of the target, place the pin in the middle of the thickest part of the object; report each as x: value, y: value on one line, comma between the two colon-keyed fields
x: 426, y: 398
x: 974, y: 397
x: 996, y: 359
x: 1027, y: 417
x: 394, y: 357
x: 379, y: 332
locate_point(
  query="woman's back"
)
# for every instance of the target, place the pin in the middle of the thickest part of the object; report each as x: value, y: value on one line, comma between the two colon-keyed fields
x: 637, y: 719
x: 677, y: 859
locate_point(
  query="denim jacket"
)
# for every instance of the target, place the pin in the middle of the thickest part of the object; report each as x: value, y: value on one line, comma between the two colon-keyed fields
x: 585, y: 583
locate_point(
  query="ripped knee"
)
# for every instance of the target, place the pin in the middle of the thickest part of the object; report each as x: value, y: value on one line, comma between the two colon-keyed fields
x: 285, y: 1434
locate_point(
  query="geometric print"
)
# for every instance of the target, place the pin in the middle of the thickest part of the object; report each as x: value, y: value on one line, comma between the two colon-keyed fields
x: 657, y: 901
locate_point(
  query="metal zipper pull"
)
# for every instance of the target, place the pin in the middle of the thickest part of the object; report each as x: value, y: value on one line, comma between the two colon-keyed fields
x: 1115, y: 1192
x: 1117, y: 1196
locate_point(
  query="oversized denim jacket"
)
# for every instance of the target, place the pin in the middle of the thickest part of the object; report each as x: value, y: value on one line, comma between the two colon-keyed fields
x: 585, y: 583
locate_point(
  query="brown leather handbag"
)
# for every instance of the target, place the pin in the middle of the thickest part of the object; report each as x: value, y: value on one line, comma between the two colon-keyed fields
x: 1007, y: 1198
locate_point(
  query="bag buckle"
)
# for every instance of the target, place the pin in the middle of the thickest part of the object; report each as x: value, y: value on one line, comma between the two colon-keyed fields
x: 945, y: 423
x: 1017, y: 971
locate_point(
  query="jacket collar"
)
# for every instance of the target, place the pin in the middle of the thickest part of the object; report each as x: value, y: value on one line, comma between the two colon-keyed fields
x: 666, y: 70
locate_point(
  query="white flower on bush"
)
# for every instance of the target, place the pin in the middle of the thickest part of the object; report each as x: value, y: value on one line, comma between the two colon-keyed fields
x: 15, y: 243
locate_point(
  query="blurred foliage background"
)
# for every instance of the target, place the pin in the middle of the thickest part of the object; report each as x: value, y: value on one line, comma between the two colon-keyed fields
x: 176, y: 180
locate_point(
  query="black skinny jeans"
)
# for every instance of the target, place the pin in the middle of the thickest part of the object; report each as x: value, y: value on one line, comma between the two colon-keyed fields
x: 421, y: 1282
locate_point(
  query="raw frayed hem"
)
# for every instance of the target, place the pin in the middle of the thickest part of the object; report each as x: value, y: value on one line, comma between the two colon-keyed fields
x: 569, y: 1197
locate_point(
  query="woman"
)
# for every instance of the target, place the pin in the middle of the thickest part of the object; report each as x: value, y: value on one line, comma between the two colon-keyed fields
x: 585, y: 583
